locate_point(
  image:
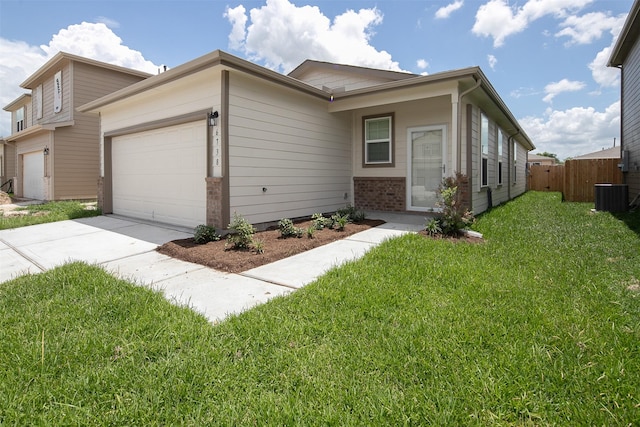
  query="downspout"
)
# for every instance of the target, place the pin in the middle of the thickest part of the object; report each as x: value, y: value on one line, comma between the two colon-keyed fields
x: 624, y: 174
x: 459, y: 137
x: 510, y: 143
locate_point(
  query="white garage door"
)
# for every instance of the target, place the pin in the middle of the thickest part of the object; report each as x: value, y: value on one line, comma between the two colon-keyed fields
x: 33, y: 175
x: 160, y: 175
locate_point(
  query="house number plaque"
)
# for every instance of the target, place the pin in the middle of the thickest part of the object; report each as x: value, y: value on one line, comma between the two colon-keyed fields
x: 217, y: 153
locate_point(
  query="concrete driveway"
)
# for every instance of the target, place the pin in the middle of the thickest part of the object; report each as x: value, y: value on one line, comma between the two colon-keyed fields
x: 126, y: 248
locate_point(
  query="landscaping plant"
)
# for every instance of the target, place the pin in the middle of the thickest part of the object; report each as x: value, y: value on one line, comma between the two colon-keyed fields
x: 287, y: 229
x: 454, y: 215
x: 241, y: 232
x: 205, y: 234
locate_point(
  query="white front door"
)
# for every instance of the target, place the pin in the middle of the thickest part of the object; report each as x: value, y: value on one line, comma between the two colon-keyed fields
x: 33, y: 175
x: 426, y: 154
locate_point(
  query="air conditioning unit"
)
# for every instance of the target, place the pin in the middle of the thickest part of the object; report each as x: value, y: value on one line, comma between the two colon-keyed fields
x: 624, y: 161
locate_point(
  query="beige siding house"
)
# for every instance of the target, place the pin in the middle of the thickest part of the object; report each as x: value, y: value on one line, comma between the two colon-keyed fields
x: 56, y: 148
x: 7, y: 165
x: 626, y: 57
x: 220, y: 135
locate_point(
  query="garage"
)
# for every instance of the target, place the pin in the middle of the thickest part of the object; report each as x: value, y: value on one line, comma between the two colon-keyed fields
x: 33, y: 175
x: 159, y: 175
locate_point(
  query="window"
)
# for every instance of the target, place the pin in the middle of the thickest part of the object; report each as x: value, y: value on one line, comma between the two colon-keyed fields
x: 484, y: 149
x: 500, y: 157
x: 20, y: 119
x: 378, y: 140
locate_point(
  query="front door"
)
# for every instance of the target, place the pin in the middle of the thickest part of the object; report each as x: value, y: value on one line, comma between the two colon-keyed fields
x: 426, y: 154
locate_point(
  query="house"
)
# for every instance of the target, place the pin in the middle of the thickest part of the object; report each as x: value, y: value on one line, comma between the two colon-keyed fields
x: 535, y: 159
x: 605, y: 153
x: 626, y: 57
x: 56, y: 147
x: 7, y: 165
x: 220, y: 135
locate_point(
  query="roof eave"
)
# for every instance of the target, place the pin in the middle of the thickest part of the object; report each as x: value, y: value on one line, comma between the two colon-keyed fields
x: 626, y: 38
x: 30, y: 82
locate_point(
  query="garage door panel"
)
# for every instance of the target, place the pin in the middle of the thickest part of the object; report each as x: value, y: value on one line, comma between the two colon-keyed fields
x: 160, y: 175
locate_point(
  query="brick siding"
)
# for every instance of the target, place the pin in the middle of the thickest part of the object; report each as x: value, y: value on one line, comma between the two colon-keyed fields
x: 380, y: 194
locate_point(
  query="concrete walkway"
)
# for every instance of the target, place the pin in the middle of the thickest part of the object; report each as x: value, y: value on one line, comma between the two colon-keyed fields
x: 126, y: 248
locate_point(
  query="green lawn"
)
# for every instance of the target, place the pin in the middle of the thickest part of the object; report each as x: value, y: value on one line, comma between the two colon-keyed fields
x: 47, y: 212
x: 539, y: 325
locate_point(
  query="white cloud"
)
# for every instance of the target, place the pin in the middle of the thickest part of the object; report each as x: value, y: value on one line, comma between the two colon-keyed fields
x: 18, y: 60
x: 238, y: 19
x: 498, y: 20
x: 446, y: 11
x: 575, y: 131
x: 564, y: 85
x: 492, y: 60
x: 97, y: 41
x: 282, y: 35
x: 603, y: 75
x: 589, y: 27
x: 422, y: 64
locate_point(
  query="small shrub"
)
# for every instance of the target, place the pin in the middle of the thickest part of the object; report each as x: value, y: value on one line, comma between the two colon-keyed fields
x: 454, y: 216
x: 258, y: 246
x: 311, y: 231
x: 320, y: 221
x: 287, y: 229
x: 205, y: 234
x: 347, y: 211
x: 340, y: 221
x: 242, y: 232
x: 432, y: 227
x: 358, y: 217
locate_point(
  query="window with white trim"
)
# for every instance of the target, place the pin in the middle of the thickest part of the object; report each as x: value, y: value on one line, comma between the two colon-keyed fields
x: 378, y: 140
x: 19, y: 119
x: 484, y: 150
x: 500, y: 156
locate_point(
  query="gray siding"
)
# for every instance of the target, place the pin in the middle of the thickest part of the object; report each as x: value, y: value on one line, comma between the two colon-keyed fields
x: 631, y: 117
x: 288, y: 144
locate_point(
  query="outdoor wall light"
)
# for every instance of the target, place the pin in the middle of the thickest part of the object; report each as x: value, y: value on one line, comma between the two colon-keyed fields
x: 46, y: 151
x: 213, y: 118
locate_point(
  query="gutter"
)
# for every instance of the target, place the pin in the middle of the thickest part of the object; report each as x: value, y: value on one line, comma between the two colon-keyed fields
x: 459, y: 137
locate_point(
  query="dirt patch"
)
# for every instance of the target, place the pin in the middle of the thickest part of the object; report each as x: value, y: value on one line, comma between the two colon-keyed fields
x: 218, y: 254
x: 5, y: 199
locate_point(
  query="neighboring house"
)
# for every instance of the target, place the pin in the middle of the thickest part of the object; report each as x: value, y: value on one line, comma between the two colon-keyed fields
x: 7, y: 165
x: 220, y: 135
x: 605, y: 153
x: 626, y: 57
x: 535, y: 159
x: 56, y: 148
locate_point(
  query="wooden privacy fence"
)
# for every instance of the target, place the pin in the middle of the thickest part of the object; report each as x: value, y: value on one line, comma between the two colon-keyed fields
x: 576, y: 178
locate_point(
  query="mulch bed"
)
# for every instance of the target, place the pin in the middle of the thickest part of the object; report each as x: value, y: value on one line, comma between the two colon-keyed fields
x: 218, y: 254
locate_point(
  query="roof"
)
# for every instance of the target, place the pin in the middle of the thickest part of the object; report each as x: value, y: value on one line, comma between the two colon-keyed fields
x: 23, y: 99
x: 212, y: 59
x: 605, y: 153
x: 538, y: 158
x: 311, y: 64
x: 627, y: 37
x: 492, y: 101
x: 59, y: 57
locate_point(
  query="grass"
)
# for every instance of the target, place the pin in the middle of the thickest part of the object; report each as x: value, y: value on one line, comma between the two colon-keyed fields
x: 539, y: 325
x: 46, y: 212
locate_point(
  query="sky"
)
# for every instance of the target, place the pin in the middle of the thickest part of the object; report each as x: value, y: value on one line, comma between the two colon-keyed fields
x: 546, y: 58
